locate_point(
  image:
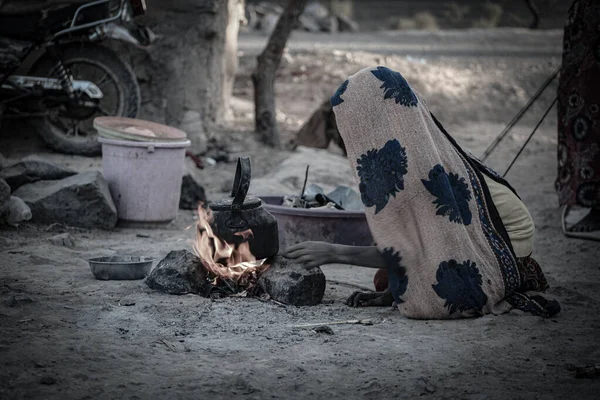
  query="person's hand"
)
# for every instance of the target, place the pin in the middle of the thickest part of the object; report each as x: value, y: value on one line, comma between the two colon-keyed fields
x: 370, y: 299
x: 311, y: 254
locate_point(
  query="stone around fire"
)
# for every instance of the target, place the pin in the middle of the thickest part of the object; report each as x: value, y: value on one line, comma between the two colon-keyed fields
x: 291, y: 283
x: 180, y: 272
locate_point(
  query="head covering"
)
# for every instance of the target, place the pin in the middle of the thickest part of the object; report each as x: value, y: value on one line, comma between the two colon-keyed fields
x: 426, y: 202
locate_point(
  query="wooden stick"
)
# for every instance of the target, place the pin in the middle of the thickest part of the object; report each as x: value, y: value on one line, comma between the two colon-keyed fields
x: 349, y: 284
x: 278, y: 303
x: 167, y: 345
x: 305, y: 180
x: 270, y: 300
x: 347, y: 322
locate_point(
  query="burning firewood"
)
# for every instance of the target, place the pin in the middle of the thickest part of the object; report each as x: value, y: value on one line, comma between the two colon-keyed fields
x: 227, y: 263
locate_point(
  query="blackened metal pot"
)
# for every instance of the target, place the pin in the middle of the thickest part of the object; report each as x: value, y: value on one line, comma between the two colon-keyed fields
x: 233, y: 217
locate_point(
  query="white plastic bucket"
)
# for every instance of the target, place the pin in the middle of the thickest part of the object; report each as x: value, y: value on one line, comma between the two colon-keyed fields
x: 144, y: 178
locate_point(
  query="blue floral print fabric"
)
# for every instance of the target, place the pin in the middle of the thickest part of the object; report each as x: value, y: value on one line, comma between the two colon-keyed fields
x: 395, y: 87
x: 381, y: 173
x: 452, y: 195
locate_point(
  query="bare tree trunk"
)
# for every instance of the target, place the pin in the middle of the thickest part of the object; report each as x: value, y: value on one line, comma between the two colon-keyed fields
x: 187, y: 76
x: 236, y: 17
x: 536, y: 14
x: 264, y: 75
x: 196, y: 60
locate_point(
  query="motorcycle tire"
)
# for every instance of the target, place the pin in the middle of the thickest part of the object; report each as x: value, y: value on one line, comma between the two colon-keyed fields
x: 120, y: 72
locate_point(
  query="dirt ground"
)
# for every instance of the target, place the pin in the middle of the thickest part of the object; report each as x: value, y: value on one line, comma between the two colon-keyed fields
x: 64, y: 334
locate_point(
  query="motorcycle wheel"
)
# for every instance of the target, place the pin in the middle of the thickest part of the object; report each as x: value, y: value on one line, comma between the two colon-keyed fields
x: 113, y: 76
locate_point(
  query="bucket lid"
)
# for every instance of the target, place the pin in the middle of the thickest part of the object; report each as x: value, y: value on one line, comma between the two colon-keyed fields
x: 137, y: 130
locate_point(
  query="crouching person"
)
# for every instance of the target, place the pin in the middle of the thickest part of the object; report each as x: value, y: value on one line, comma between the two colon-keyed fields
x: 453, y: 238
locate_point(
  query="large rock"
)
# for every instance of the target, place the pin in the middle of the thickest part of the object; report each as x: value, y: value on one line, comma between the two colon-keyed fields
x: 180, y: 272
x: 346, y: 24
x: 81, y: 200
x: 15, y: 212
x: 32, y: 169
x: 63, y: 239
x: 192, y: 194
x: 292, y: 283
x: 309, y: 23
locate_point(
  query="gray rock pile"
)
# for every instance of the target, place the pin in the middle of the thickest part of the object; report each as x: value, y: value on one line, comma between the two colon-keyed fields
x: 316, y: 18
x: 48, y: 193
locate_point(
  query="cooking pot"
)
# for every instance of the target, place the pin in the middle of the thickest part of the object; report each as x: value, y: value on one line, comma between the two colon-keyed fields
x: 242, y: 218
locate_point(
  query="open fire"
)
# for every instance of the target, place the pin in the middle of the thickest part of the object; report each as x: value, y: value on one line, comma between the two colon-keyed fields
x: 218, y: 267
x: 224, y: 260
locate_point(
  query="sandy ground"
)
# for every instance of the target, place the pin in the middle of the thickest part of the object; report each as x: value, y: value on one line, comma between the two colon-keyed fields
x: 64, y: 334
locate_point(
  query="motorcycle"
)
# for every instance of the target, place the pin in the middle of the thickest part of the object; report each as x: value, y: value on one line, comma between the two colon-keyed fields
x: 55, y: 73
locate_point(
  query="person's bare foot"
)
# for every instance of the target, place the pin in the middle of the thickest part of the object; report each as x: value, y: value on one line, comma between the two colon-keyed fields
x: 371, y: 299
x: 589, y: 223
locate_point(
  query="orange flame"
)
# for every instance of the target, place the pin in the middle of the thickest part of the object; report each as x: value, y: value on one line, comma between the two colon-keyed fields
x: 221, y: 259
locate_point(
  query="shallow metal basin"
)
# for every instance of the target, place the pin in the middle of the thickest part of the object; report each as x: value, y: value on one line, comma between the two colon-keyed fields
x: 120, y: 267
x: 297, y: 225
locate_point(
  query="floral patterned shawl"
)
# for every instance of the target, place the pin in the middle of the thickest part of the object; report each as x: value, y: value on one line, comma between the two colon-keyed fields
x: 427, y: 204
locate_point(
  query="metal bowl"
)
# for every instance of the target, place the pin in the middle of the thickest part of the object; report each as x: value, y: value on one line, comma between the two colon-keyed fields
x: 297, y: 225
x: 120, y: 267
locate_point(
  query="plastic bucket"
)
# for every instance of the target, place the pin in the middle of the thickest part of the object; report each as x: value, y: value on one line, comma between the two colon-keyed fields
x: 144, y: 178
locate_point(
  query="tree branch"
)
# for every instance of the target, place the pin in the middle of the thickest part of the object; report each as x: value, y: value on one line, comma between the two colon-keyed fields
x: 536, y: 14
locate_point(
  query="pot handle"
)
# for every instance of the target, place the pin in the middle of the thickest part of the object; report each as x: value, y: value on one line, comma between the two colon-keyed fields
x: 241, y: 183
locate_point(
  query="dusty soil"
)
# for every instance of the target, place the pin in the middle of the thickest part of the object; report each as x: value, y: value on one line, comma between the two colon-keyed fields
x: 64, y: 334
